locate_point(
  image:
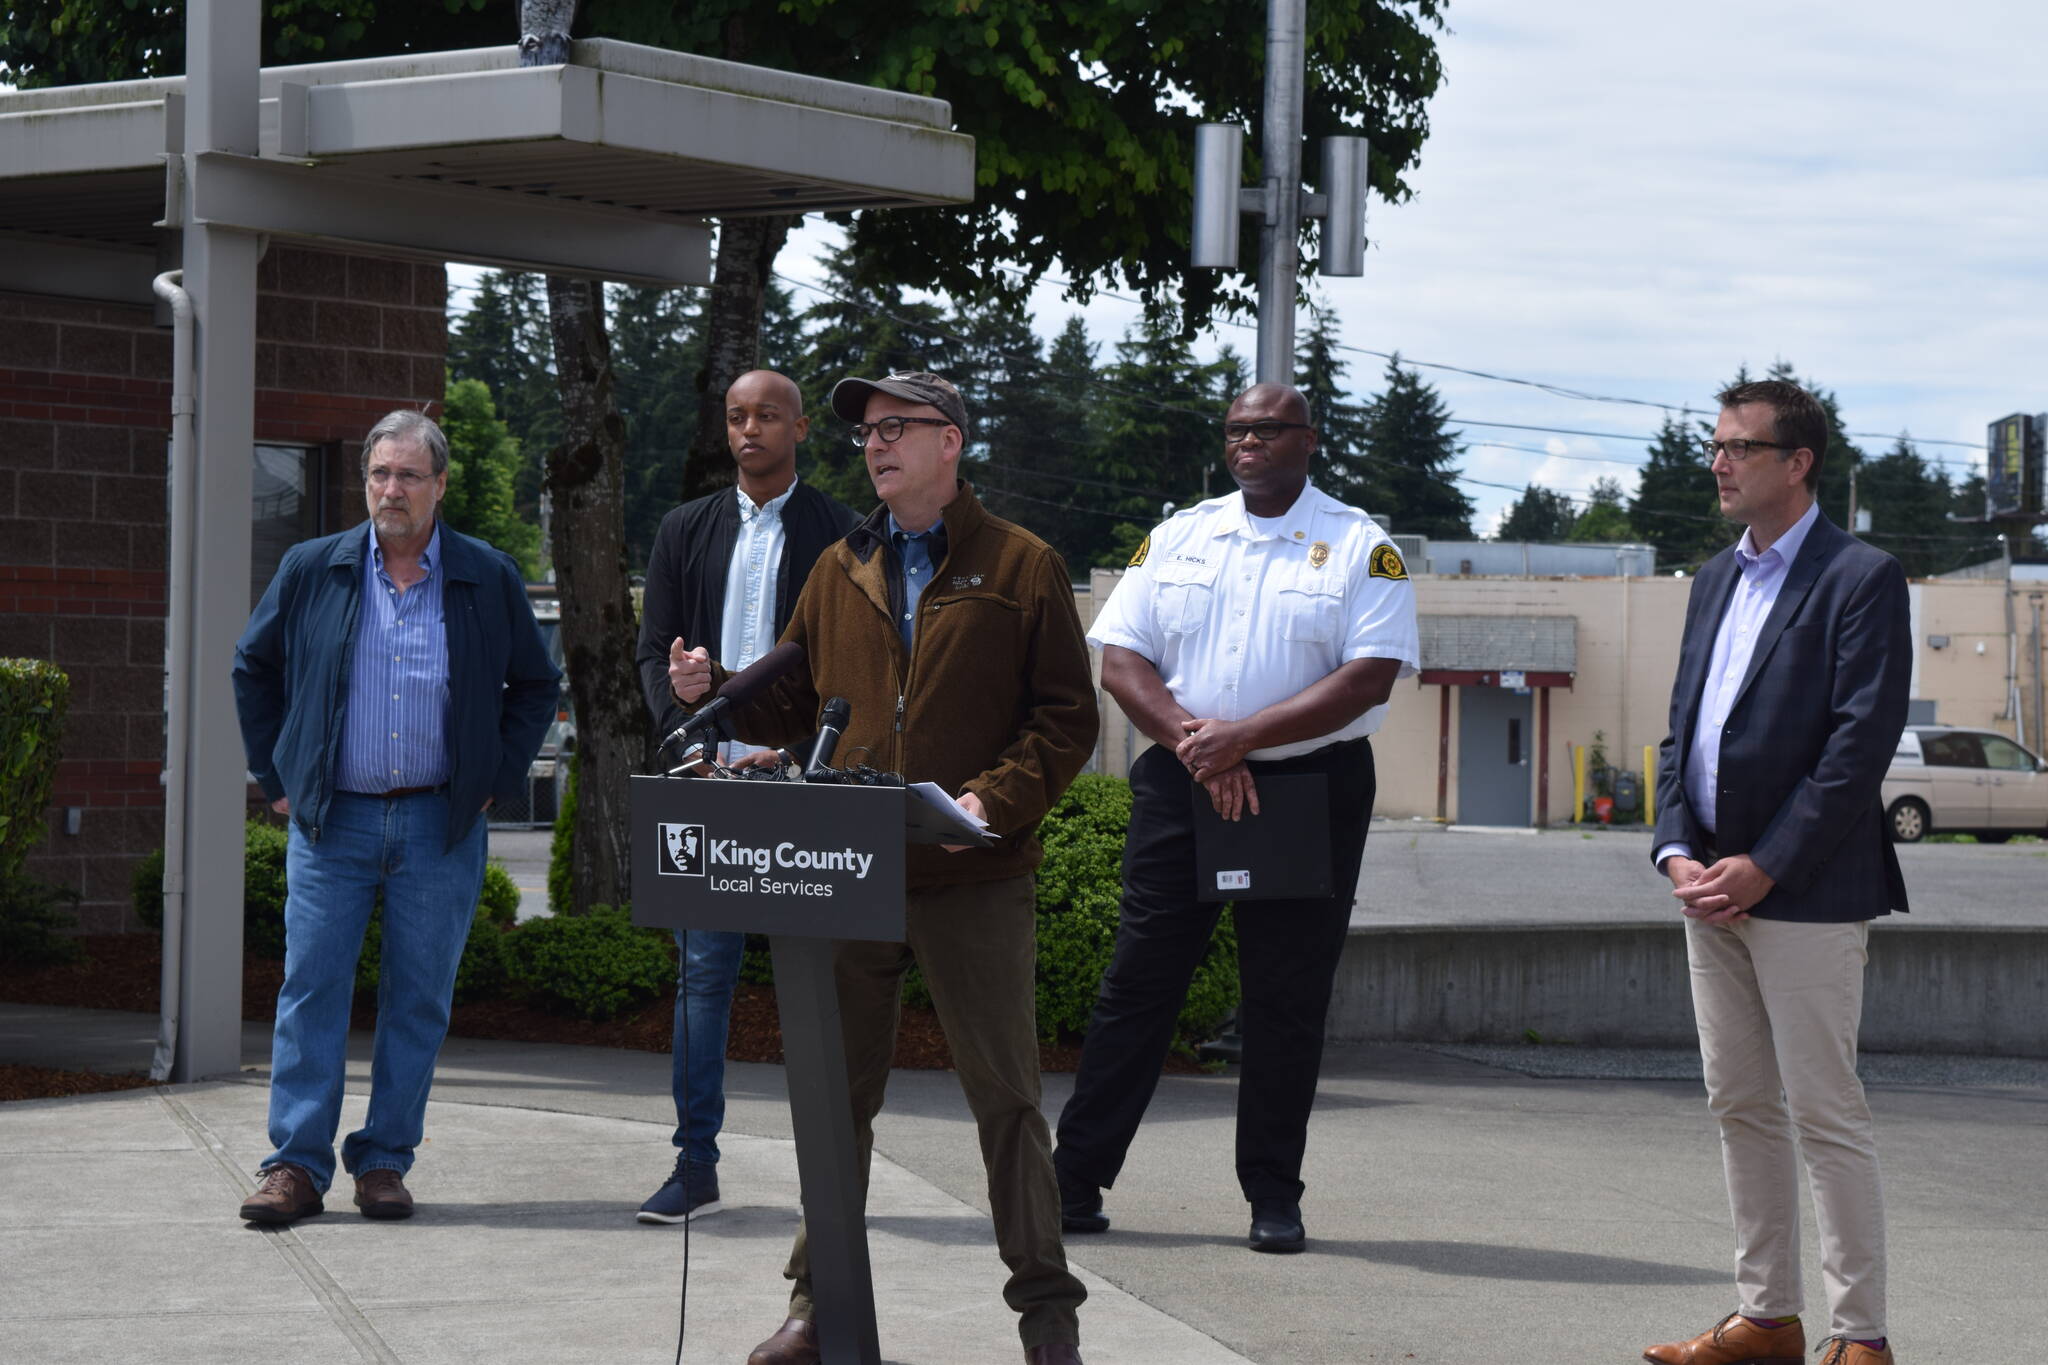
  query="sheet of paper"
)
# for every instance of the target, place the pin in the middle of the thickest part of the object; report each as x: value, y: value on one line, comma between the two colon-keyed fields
x: 934, y: 795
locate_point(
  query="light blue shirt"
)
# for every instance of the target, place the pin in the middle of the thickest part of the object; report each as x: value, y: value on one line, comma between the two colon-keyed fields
x: 393, y: 713
x: 752, y: 577
x: 919, y: 553
x: 1759, y: 577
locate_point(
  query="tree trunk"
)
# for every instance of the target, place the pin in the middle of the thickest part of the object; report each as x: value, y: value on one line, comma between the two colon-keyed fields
x: 585, y: 479
x: 732, y: 338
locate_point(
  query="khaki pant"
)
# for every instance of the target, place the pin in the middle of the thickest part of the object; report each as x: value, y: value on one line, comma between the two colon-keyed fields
x: 977, y: 947
x: 1779, y: 1004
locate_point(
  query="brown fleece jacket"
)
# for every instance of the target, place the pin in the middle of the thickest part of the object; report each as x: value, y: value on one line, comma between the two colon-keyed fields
x: 995, y: 697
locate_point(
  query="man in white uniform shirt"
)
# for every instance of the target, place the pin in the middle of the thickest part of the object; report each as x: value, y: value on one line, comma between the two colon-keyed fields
x: 1253, y: 635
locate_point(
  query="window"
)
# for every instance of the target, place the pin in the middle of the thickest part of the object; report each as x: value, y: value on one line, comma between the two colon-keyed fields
x: 2003, y: 753
x: 284, y: 508
x: 1953, y: 750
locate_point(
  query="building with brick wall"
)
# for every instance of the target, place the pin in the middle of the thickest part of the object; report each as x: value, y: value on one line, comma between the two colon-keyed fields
x: 85, y: 414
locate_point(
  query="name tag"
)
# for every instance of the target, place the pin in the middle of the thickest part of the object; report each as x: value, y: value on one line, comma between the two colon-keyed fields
x: 1233, y: 881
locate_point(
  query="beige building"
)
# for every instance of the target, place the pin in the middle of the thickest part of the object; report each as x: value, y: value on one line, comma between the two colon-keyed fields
x: 1464, y: 743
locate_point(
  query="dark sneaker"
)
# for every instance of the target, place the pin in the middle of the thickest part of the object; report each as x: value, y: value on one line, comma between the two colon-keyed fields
x: 689, y: 1192
x: 1081, y: 1206
x: 382, y: 1194
x: 284, y: 1194
x: 1276, y: 1226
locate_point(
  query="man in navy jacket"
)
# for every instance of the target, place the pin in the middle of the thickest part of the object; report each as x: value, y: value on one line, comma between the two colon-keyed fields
x: 726, y: 570
x: 1793, y: 675
x: 391, y: 684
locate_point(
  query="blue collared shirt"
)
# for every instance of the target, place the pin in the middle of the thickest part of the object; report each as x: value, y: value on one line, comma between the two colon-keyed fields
x: 918, y: 554
x: 395, y: 708
x: 1759, y: 577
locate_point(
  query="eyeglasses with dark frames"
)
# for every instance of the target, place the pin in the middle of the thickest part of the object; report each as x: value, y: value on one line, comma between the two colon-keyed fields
x: 1234, y: 432
x: 1738, y: 451
x: 890, y: 429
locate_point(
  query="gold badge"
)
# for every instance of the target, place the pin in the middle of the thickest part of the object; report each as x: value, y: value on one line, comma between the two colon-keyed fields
x: 1144, y: 548
x: 1318, y: 555
x: 1386, y: 563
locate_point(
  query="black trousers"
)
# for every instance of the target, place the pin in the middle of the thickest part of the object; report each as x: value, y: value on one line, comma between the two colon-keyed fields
x: 1287, y: 963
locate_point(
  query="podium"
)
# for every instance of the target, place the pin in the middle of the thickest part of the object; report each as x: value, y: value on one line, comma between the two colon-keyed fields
x: 805, y: 864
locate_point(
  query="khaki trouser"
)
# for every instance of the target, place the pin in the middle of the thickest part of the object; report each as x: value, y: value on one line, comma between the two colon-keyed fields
x: 977, y: 947
x: 1779, y: 1004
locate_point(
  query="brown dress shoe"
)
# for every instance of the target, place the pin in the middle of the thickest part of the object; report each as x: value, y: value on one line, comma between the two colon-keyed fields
x: 284, y: 1195
x: 382, y: 1194
x: 1053, y: 1353
x: 1842, y: 1351
x: 794, y: 1343
x: 1735, y: 1340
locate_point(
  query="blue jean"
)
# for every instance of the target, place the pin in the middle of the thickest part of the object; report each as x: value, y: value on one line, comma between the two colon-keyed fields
x: 708, y: 969
x: 430, y: 897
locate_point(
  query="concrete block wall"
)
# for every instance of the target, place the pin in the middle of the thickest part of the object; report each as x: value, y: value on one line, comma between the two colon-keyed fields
x: 85, y: 393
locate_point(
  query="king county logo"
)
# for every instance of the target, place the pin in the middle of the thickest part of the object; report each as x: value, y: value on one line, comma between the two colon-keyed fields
x: 682, y: 851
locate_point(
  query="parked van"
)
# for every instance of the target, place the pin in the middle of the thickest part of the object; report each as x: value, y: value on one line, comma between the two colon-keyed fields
x: 1972, y: 781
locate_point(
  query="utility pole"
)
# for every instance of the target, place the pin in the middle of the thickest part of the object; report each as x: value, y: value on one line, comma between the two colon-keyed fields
x: 1278, y: 201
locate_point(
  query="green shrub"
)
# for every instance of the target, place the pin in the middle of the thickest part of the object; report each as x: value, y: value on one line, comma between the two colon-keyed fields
x: 1080, y: 887
x: 595, y: 966
x: 34, y: 695
x: 33, y: 923
x: 562, y: 849
x: 263, y: 855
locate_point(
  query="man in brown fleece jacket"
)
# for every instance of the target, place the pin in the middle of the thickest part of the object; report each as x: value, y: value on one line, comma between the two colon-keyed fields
x: 954, y: 637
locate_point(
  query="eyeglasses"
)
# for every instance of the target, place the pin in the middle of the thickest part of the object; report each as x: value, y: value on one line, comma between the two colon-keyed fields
x: 404, y: 478
x: 890, y: 429
x: 1737, y: 451
x: 1234, y: 432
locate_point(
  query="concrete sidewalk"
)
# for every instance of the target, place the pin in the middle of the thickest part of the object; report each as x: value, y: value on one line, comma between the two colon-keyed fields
x: 1459, y: 1212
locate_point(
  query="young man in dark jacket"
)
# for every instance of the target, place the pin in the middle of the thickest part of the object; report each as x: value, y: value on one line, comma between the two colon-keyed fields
x: 391, y: 684
x: 726, y: 569
x: 953, y: 635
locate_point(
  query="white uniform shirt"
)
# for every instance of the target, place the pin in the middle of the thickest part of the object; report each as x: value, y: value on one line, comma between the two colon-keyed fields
x: 747, y: 627
x: 1236, y: 618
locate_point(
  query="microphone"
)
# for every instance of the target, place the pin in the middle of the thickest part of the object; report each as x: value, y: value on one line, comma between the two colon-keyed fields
x: 829, y: 725
x: 741, y: 688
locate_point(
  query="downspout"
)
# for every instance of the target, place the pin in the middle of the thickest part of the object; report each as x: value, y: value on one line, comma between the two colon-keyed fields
x: 178, y: 630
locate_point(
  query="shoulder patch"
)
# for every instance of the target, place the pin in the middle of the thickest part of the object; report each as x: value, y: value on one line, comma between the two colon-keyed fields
x: 1138, y: 556
x: 1386, y: 563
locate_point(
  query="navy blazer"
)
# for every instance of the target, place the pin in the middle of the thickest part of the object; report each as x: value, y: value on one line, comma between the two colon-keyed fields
x: 1810, y: 735
x: 292, y: 664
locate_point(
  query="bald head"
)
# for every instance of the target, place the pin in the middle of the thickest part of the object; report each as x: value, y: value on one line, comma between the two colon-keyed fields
x: 764, y: 423
x: 1283, y: 401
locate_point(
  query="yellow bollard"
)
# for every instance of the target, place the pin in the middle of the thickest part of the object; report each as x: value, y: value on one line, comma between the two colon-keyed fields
x: 1650, y: 784
x: 1578, y: 783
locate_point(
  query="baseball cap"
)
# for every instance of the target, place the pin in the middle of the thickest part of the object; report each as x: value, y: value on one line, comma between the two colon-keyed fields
x: 850, y: 396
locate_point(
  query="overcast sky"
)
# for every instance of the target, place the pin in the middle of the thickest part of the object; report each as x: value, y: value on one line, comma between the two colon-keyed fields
x: 1634, y: 199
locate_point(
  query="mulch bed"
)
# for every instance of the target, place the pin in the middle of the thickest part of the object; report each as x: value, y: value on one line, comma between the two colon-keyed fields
x: 123, y: 972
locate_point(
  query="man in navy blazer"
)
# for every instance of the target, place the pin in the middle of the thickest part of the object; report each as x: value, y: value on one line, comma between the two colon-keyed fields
x: 1791, y: 692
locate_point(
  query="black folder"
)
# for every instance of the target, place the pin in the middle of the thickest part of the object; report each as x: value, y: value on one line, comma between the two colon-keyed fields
x: 1282, y: 853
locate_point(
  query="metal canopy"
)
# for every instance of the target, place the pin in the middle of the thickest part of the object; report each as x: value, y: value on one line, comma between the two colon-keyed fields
x: 1534, y: 644
x: 600, y: 167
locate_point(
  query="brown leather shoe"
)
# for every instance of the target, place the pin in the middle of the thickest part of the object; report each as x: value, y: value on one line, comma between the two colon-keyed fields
x: 1842, y: 1351
x: 1053, y: 1353
x: 382, y: 1194
x: 1735, y: 1340
x: 794, y: 1343
x: 285, y: 1194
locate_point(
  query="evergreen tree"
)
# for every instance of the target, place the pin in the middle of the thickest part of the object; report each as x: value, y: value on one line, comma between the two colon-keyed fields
x: 1408, y: 442
x: 503, y: 341
x: 1676, y: 507
x: 1605, y: 520
x: 1909, y: 501
x: 1538, y: 515
x: 1162, y: 415
x: 1340, y: 467
x: 657, y: 343
x: 483, y: 459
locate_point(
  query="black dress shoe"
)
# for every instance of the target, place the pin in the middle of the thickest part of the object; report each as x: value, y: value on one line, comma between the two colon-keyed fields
x: 1081, y: 1206
x: 1276, y: 1226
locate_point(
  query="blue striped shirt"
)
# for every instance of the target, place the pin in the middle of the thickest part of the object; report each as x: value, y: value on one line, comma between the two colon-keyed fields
x: 393, y: 714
